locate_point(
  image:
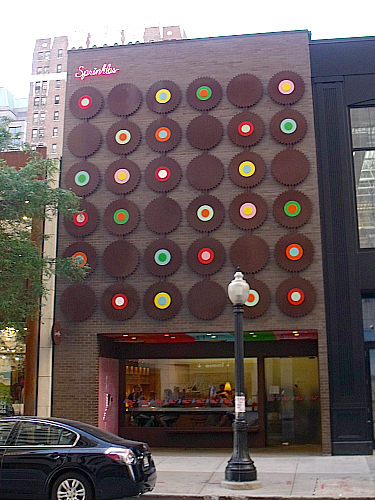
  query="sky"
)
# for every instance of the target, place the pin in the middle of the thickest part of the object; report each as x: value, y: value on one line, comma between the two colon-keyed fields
x: 25, y: 21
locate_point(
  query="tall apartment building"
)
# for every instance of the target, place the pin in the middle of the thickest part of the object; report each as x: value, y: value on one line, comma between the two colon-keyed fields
x: 45, y: 115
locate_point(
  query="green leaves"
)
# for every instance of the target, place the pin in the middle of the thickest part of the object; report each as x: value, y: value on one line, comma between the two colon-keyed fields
x: 28, y: 196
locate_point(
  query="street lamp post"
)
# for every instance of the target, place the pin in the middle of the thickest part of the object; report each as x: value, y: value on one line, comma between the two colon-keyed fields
x: 240, y: 471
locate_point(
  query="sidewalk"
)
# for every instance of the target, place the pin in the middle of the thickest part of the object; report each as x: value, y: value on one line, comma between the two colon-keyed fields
x: 298, y: 472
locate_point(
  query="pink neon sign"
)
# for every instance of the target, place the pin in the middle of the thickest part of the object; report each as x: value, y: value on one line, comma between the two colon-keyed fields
x: 106, y: 69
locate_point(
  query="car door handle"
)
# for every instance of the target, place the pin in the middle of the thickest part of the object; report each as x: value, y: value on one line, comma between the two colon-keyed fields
x: 54, y: 456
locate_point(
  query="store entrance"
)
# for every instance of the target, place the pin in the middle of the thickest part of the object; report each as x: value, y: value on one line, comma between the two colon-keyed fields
x: 292, y: 400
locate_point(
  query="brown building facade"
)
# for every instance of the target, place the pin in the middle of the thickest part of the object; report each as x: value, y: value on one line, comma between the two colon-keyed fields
x: 193, y: 157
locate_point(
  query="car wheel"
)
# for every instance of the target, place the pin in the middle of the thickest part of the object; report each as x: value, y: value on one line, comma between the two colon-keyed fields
x: 72, y: 486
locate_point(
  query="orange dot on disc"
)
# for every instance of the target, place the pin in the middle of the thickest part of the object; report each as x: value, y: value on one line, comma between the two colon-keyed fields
x: 123, y: 137
x: 251, y: 297
x: 292, y: 208
x: 204, y: 93
x: 120, y: 216
x: 205, y: 213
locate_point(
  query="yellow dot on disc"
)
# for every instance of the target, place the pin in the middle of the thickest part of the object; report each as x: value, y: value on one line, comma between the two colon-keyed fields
x: 247, y: 168
x: 248, y: 210
x: 122, y: 176
x: 286, y: 86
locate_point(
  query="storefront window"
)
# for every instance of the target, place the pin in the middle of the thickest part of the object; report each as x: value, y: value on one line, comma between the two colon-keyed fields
x: 12, y: 361
x: 292, y: 406
x: 186, y: 393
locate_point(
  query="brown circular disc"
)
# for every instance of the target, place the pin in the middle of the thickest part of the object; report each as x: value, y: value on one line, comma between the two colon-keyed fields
x: 204, y: 93
x: 162, y: 215
x: 160, y: 101
x: 288, y: 126
x: 78, y: 302
x: 290, y: 167
x: 248, y: 211
x: 162, y: 257
x: 294, y: 252
x: 244, y: 90
x: 84, y: 140
x: 292, y: 289
x: 286, y: 87
x: 123, y: 137
x: 82, y: 253
x: 205, y: 213
x: 204, y: 132
x: 168, y: 298
x: 121, y: 217
x: 206, y: 256
x: 83, y: 223
x: 247, y: 169
x: 163, y: 174
x: 206, y: 300
x: 292, y: 209
x: 250, y: 253
x: 120, y: 301
x: 122, y: 176
x: 82, y: 178
x: 124, y: 99
x: 205, y: 172
x: 120, y: 259
x: 86, y: 102
x: 258, y: 300
x: 163, y: 135
x: 245, y: 129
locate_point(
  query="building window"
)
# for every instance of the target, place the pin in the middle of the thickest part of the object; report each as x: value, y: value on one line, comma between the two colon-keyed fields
x: 59, y: 68
x: 40, y: 56
x: 34, y: 133
x: 35, y: 118
x: 42, y: 116
x: 58, y: 84
x: 36, y: 101
x: 363, y: 149
x: 47, y: 55
x: 43, y: 101
x: 44, y: 85
x: 54, y: 148
x: 41, y: 132
x: 59, y: 52
x: 55, y: 132
x: 201, y: 388
x: 39, y: 70
x: 56, y: 115
x: 37, y: 86
x: 57, y: 99
x: 46, y: 69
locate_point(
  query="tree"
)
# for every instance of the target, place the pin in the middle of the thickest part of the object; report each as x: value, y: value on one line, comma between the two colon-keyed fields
x: 28, y: 195
x: 6, y: 137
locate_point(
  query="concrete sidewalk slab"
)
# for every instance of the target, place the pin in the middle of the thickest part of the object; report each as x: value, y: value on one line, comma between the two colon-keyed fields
x: 293, y: 472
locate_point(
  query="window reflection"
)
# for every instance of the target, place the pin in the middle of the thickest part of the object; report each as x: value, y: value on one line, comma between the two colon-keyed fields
x: 186, y: 393
x: 363, y: 142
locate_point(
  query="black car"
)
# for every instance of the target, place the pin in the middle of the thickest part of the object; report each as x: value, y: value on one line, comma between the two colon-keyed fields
x: 58, y: 459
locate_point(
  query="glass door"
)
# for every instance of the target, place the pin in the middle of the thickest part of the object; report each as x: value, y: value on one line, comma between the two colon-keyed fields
x: 371, y: 357
x: 292, y: 400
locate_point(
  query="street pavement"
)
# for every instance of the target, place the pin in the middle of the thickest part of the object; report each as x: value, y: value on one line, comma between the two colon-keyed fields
x: 290, y: 471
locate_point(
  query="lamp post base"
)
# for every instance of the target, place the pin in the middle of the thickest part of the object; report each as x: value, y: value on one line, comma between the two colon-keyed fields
x: 241, y: 485
x: 240, y: 467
